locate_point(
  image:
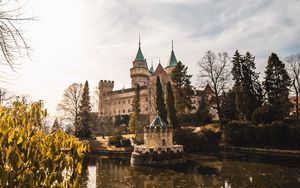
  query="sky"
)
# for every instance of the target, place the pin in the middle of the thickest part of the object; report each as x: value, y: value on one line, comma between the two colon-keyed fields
x: 77, y: 40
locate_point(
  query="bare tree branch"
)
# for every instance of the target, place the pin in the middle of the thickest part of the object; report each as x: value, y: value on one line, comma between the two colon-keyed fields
x: 214, y: 69
x: 69, y: 106
x: 12, y: 41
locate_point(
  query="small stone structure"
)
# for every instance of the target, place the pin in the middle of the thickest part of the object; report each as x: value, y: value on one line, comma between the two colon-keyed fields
x: 158, y: 148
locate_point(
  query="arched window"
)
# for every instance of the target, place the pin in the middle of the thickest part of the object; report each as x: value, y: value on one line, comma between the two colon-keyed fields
x: 163, y: 142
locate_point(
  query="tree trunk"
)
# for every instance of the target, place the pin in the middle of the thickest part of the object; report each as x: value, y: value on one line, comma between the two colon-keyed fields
x: 218, y: 105
x: 297, y: 100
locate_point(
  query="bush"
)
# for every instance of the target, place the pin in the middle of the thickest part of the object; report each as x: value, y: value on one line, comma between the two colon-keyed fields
x: 236, y: 133
x: 263, y: 114
x: 276, y: 135
x: 30, y: 157
x: 197, y: 142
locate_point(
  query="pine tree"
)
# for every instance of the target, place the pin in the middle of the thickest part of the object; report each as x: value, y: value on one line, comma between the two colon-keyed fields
x: 134, y: 120
x: 276, y: 85
x: 248, y: 91
x: 237, y: 77
x: 183, y: 89
x: 160, y: 103
x: 202, y: 115
x: 55, y: 126
x: 228, y: 106
x: 84, y: 113
x: 171, y: 106
x: 251, y: 88
x: 236, y: 68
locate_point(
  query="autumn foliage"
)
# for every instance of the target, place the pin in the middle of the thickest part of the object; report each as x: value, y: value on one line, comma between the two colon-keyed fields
x: 30, y: 157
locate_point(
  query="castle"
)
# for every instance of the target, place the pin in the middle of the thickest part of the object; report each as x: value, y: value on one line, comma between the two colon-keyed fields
x: 118, y: 102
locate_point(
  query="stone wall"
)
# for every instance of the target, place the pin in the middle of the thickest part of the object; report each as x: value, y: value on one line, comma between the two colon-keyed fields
x: 157, y: 137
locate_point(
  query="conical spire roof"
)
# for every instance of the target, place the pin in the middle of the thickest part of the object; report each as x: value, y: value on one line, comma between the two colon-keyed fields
x: 139, y: 56
x: 172, y: 60
x: 158, y: 122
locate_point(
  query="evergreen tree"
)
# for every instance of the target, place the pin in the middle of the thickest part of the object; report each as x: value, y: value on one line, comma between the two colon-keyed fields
x: 84, y: 113
x: 202, y: 115
x: 276, y: 85
x: 171, y: 106
x: 134, y: 120
x: 55, y: 126
x: 251, y: 88
x: 160, y: 103
x: 237, y: 68
x: 248, y: 91
x: 183, y: 89
x: 237, y: 77
x: 228, y: 106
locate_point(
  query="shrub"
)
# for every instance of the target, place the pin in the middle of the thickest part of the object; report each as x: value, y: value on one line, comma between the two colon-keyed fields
x: 278, y: 134
x: 235, y: 133
x: 196, y: 142
x: 31, y: 158
x: 263, y: 114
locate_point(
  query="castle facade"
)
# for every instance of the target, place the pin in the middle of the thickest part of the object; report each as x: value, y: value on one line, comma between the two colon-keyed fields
x: 118, y: 102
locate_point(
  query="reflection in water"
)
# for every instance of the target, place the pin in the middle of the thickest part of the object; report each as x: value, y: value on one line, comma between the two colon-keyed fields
x: 199, y: 171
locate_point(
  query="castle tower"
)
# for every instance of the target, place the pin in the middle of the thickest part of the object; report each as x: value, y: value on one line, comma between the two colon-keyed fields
x: 172, y: 61
x: 139, y: 73
x: 105, y: 86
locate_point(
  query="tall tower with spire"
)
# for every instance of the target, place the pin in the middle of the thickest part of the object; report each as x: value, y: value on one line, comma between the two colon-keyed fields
x: 139, y: 72
x: 172, y: 61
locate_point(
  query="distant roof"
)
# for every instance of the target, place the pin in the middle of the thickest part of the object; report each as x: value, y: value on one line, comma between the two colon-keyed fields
x: 158, y: 122
x: 208, y: 89
x: 159, y: 70
x: 143, y: 87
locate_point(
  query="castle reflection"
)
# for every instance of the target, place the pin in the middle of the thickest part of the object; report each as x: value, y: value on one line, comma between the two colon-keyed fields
x: 200, y: 171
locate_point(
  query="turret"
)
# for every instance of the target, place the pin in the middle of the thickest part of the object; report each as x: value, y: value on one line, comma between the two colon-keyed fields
x: 172, y: 61
x: 105, y: 86
x: 139, y: 73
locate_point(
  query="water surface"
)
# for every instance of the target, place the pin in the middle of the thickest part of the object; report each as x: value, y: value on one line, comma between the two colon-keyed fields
x: 200, y: 171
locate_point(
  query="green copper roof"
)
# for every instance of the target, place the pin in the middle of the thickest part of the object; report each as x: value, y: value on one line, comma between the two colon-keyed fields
x: 173, y: 60
x: 158, y: 122
x: 139, y: 56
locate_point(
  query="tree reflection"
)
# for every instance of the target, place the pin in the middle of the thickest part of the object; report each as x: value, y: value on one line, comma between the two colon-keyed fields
x: 199, y: 171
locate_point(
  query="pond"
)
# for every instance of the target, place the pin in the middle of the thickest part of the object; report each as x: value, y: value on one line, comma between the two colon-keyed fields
x: 201, y: 170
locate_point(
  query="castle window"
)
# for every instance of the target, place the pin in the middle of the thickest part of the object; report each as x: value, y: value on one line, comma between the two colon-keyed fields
x: 123, y: 111
x: 114, y: 112
x: 146, y: 109
x: 128, y: 110
x: 146, y: 99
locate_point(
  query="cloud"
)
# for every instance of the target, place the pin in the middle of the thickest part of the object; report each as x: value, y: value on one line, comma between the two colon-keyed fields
x: 92, y: 40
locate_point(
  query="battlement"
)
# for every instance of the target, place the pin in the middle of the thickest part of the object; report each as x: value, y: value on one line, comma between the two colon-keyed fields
x: 106, y: 83
x: 158, y: 129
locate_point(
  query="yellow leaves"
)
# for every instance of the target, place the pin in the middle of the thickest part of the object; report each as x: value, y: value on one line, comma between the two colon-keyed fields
x: 20, y: 140
x: 11, y: 136
x: 30, y: 155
